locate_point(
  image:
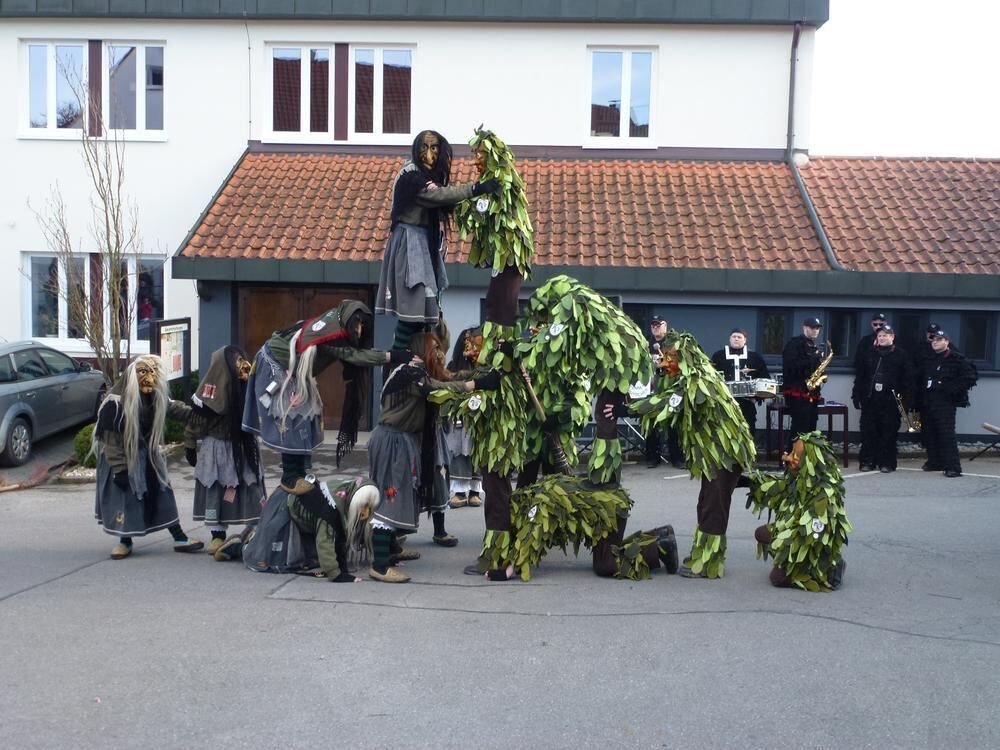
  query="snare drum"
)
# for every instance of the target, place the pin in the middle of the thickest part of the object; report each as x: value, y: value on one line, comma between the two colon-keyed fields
x: 741, y: 388
x: 765, y: 387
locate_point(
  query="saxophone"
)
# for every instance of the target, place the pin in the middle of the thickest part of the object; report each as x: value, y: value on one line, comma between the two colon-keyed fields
x: 819, y: 375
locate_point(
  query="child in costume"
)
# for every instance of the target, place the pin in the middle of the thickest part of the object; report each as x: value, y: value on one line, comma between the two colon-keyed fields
x: 466, y: 484
x: 810, y: 524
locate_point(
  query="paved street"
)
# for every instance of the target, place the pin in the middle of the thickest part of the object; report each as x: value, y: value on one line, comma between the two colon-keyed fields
x: 173, y: 651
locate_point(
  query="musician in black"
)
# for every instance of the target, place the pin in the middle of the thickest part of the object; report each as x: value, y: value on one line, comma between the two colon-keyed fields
x: 867, y: 343
x: 655, y: 440
x: 882, y: 373
x: 799, y: 360
x: 737, y: 363
x: 943, y: 384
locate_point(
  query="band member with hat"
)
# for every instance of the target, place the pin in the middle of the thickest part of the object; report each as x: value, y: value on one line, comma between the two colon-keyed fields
x: 737, y: 363
x: 882, y: 374
x: 799, y: 360
x: 943, y: 384
x: 867, y: 342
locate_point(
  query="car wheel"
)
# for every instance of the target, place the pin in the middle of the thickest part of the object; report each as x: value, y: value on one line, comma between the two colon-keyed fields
x: 17, y: 449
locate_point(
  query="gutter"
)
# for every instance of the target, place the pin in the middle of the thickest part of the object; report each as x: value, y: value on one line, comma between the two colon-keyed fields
x: 817, y: 225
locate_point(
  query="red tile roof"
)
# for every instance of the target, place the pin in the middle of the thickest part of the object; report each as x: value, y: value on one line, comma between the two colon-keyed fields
x: 918, y: 215
x: 647, y: 213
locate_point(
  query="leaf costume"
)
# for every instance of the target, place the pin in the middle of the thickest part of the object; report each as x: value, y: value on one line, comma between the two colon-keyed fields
x: 810, y: 523
x: 500, y: 227
x: 692, y: 399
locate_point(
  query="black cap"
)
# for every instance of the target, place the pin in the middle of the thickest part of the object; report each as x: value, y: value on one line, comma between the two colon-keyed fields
x: 657, y: 319
x: 940, y: 334
x: 879, y: 316
x: 812, y: 323
x: 933, y: 328
x: 887, y: 329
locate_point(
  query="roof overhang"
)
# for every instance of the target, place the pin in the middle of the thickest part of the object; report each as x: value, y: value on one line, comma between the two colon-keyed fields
x: 883, y: 285
x: 757, y: 12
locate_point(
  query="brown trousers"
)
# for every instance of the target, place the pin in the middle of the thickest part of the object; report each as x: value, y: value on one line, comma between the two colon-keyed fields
x: 714, y: 499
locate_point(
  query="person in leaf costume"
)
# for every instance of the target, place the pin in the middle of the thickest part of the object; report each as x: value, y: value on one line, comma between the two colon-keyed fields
x: 692, y: 398
x: 810, y: 524
x: 575, y: 330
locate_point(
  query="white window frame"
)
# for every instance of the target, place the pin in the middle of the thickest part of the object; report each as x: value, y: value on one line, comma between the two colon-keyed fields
x: 377, y: 136
x: 62, y: 340
x: 624, y: 140
x: 50, y: 131
x: 303, y: 135
x: 139, y: 133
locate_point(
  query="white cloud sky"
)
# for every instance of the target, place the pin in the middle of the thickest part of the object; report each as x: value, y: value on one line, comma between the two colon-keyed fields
x: 908, y: 78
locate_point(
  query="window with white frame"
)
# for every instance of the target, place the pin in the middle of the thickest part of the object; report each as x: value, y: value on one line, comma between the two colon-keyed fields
x: 133, y: 79
x: 129, y: 93
x: 57, y: 86
x: 381, y: 88
x: 54, y: 289
x: 301, y: 80
x: 621, y: 95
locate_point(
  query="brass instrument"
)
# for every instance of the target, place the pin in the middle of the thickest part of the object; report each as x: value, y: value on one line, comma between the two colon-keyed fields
x: 819, y: 375
x: 911, y: 420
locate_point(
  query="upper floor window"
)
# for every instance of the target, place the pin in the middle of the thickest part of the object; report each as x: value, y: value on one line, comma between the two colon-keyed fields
x: 382, y: 87
x: 133, y: 80
x: 301, y: 79
x: 621, y: 96
x: 57, y: 86
x: 65, y: 94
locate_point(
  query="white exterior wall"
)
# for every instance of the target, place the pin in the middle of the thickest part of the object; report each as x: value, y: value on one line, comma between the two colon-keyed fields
x: 713, y: 87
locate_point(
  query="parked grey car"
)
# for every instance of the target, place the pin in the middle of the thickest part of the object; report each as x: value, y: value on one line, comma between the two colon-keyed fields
x: 42, y: 391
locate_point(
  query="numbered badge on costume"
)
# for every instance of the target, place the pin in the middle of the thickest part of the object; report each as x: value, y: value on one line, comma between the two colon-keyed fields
x: 878, y: 388
x: 675, y: 402
x: 533, y: 512
x: 483, y: 205
x: 319, y: 325
x: 475, y: 402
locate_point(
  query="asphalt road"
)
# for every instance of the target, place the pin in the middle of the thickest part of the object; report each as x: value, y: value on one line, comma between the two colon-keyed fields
x: 165, y: 650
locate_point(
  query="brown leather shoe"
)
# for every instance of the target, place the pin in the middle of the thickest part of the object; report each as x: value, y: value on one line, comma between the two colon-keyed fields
x: 121, y: 551
x: 458, y: 501
x: 213, y: 545
x: 475, y: 501
x: 391, y: 575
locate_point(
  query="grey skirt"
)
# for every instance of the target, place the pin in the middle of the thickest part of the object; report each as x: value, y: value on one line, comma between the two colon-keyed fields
x: 412, y: 277
x: 215, y: 472
x: 123, y: 513
x: 394, y: 465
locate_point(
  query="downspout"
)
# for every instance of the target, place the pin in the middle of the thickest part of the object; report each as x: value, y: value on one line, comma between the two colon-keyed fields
x: 817, y: 225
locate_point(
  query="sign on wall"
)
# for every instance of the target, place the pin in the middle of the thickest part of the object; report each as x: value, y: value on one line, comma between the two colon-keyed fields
x: 171, y: 340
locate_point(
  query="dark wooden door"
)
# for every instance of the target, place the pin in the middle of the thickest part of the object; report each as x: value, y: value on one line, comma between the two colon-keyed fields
x: 264, y: 310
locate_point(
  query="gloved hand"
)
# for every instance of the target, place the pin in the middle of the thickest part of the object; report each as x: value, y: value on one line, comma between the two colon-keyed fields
x: 615, y: 411
x: 488, y: 382
x: 490, y: 186
x: 121, y: 479
x: 857, y: 404
x: 191, y: 455
x: 400, y: 356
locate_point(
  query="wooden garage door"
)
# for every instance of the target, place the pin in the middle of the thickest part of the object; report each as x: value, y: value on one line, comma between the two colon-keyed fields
x: 264, y: 310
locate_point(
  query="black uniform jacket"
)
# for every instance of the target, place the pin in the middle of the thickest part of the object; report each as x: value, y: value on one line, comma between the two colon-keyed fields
x: 883, y: 370
x: 728, y: 367
x: 949, y: 373
x: 799, y: 360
